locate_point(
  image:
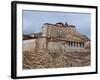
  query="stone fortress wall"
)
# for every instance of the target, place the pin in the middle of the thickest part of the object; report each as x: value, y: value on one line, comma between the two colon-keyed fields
x: 59, y: 45
x: 58, y: 36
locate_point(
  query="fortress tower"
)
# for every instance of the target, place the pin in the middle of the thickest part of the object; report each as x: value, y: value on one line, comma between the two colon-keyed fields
x: 64, y: 32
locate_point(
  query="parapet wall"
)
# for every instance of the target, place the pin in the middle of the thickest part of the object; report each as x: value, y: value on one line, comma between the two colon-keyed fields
x: 32, y: 44
x: 29, y: 45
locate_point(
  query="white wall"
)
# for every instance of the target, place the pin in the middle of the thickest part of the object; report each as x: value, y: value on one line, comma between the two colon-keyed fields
x: 29, y: 45
x: 5, y: 37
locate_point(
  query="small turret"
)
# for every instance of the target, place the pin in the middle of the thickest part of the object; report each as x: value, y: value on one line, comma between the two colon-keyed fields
x: 60, y: 24
x: 71, y: 26
x: 66, y: 24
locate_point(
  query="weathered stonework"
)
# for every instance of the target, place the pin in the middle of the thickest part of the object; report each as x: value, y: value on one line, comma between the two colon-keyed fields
x: 60, y: 45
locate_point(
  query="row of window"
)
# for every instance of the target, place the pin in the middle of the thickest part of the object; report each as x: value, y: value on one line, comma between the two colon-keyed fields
x: 73, y: 44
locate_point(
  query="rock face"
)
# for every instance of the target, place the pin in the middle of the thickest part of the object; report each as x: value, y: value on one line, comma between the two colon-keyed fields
x: 45, y: 59
x: 58, y: 45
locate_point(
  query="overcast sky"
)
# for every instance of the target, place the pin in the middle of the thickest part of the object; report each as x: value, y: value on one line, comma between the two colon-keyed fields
x: 34, y: 20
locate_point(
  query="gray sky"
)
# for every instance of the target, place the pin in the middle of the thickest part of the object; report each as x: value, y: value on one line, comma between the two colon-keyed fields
x: 34, y: 20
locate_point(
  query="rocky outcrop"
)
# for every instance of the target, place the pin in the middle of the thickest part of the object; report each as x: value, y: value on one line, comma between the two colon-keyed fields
x: 45, y: 59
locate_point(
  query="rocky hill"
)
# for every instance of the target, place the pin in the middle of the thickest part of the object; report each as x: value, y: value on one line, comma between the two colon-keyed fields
x: 45, y: 59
